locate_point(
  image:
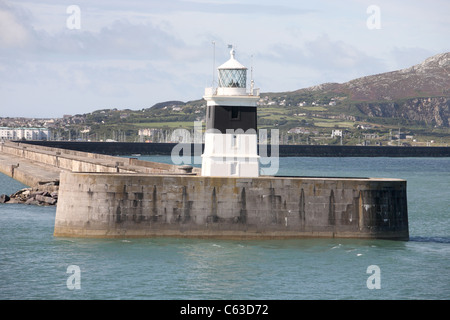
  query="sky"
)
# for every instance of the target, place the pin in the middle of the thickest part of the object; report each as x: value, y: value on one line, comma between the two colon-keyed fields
x: 74, y: 57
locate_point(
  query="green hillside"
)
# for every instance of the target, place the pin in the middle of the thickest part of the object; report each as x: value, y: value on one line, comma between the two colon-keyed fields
x: 300, y: 119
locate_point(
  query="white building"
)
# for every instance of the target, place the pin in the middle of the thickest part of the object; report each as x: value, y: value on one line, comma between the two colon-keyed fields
x: 24, y: 133
x: 336, y: 133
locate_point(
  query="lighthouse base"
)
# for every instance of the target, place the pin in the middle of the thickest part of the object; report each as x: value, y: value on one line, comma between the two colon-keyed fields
x: 230, y: 155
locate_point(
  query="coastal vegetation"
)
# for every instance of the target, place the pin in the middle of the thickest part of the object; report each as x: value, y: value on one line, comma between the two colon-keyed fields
x: 298, y: 122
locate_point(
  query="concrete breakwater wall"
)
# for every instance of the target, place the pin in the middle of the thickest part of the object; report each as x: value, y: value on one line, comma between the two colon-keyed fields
x: 39, y: 168
x: 143, y: 205
x: 57, y: 160
x: 127, y: 148
x: 28, y: 172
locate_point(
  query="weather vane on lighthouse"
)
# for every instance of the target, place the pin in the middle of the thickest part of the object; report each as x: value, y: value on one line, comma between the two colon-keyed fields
x: 231, y: 147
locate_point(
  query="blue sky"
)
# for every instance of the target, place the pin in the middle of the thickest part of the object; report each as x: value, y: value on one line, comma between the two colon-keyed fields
x: 133, y: 54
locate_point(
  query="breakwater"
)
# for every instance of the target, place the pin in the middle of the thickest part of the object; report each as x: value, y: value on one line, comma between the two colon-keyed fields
x: 37, y: 163
x: 106, y: 196
x: 128, y: 148
x: 39, y: 167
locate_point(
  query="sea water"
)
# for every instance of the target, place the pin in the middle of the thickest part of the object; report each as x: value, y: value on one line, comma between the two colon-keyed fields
x: 36, y: 265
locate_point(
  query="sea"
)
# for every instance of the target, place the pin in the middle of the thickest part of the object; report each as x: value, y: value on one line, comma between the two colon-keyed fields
x: 35, y: 265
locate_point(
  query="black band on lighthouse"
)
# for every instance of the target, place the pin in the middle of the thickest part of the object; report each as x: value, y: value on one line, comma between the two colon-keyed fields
x: 222, y: 118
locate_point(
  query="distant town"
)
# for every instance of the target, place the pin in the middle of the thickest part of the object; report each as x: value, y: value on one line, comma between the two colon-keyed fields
x: 22, y: 128
x: 298, y: 122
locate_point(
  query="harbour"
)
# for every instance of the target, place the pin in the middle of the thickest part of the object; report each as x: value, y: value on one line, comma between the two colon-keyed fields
x: 224, y: 159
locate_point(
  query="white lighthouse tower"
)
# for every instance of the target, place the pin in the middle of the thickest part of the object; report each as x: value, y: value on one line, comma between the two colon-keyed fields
x: 231, y: 146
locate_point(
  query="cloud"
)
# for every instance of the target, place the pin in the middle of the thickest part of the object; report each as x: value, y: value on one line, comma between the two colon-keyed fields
x: 137, y: 53
x: 124, y: 37
x: 406, y: 57
x: 12, y: 33
x: 203, y: 6
x: 121, y: 39
x: 239, y: 8
x: 339, y: 56
x: 82, y: 58
x: 72, y: 71
x: 323, y: 59
x: 137, y: 40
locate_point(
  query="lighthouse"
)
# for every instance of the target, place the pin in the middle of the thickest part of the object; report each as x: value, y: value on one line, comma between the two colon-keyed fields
x: 231, y: 146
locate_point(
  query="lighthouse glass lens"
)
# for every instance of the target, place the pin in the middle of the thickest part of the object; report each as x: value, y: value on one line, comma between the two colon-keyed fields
x: 232, y: 78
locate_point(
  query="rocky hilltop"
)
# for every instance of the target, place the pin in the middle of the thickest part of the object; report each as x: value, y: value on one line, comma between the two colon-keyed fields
x: 419, y: 93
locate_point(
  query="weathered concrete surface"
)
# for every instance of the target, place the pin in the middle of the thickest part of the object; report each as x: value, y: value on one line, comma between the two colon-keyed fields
x: 30, y: 173
x: 35, y: 165
x: 39, y: 167
x: 139, y: 205
x: 80, y: 161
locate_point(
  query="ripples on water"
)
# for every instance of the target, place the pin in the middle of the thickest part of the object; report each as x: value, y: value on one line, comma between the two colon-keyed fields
x: 431, y: 239
x: 33, y: 263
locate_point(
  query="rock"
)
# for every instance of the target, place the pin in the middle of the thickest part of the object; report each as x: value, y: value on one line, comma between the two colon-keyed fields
x: 22, y: 195
x: 12, y: 200
x: 32, y: 201
x: 34, y: 197
x: 20, y: 192
x: 45, y: 199
x: 49, y: 183
x: 36, y: 193
x: 4, y: 198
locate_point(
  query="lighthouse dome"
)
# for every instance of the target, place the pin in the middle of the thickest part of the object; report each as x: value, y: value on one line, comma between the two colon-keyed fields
x: 232, y: 63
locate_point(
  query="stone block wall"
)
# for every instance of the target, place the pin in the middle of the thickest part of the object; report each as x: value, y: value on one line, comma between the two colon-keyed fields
x: 138, y: 205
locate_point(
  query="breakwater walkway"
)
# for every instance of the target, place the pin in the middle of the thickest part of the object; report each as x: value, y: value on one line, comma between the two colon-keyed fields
x: 39, y: 167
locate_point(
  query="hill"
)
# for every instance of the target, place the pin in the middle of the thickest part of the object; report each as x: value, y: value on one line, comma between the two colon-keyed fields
x: 427, y: 79
x: 408, y: 106
x: 420, y: 93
